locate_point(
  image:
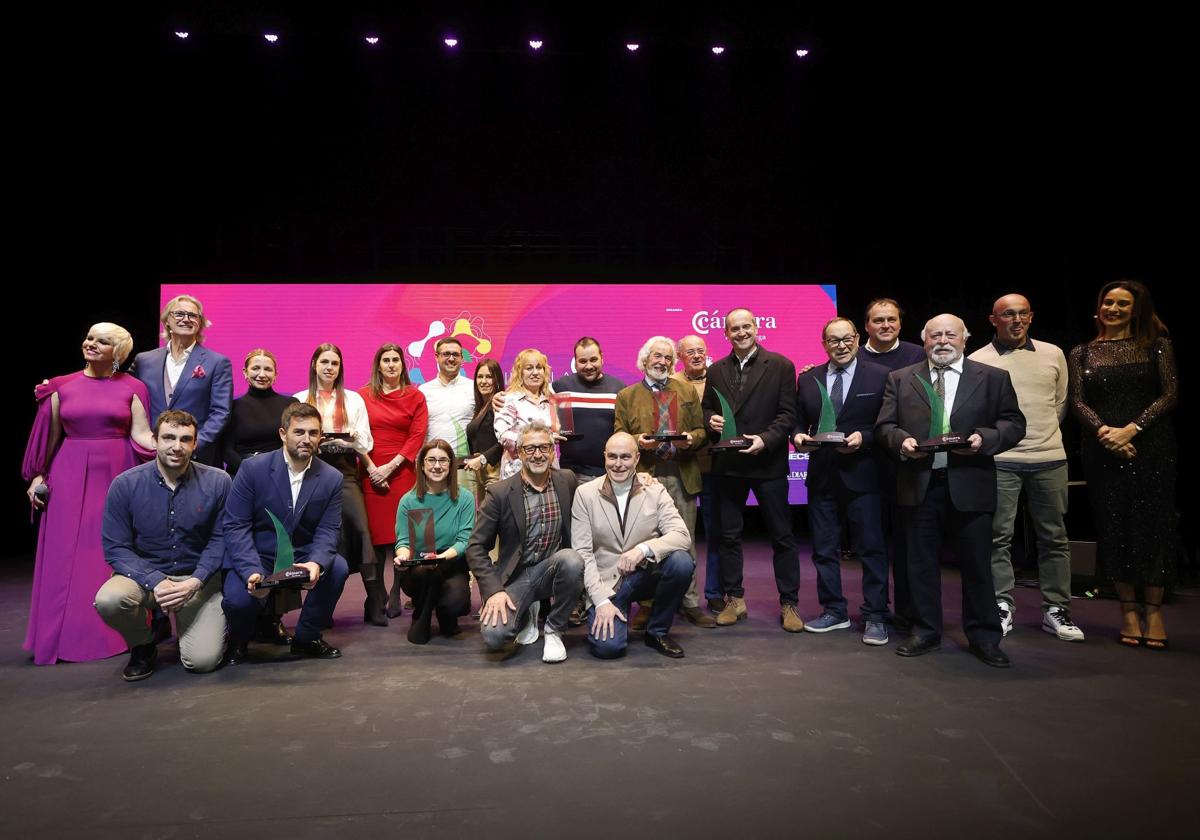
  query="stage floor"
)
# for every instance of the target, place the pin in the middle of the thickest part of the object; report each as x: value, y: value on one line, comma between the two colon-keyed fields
x: 757, y: 733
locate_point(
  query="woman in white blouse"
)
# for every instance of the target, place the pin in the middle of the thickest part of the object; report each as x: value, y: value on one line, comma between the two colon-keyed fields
x: 344, y: 415
x: 526, y: 399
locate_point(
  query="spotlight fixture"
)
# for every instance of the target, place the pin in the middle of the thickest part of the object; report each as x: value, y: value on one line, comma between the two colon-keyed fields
x: 182, y: 35
x: 801, y: 53
x: 718, y: 49
x: 632, y: 47
x: 535, y: 45
x: 450, y: 42
x: 372, y: 39
x: 271, y: 37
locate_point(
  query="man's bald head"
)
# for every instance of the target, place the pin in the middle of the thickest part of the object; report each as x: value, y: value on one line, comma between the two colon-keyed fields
x: 1011, y: 316
x: 620, y: 457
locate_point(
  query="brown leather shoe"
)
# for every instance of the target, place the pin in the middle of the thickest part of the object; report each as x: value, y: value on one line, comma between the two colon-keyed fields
x: 790, y: 619
x: 698, y: 617
x: 640, y: 618
x: 735, y: 611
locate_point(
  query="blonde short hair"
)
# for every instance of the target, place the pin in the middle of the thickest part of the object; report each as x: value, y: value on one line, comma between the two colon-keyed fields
x: 165, y: 315
x: 122, y: 340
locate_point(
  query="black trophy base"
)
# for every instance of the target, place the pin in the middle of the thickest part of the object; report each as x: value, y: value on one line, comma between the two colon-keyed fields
x: 667, y: 436
x: 570, y: 435
x: 425, y: 558
x: 732, y: 445
x: 292, y: 578
x: 941, y: 443
x: 828, y: 439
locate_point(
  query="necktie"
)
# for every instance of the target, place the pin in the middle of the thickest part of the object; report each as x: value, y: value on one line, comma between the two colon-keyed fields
x: 940, y: 388
x: 836, y: 394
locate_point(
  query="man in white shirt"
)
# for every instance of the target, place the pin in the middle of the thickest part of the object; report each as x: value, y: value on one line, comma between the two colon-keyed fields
x: 450, y: 399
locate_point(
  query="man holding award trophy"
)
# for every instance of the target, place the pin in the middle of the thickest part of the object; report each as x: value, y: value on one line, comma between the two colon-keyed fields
x: 945, y: 419
x: 284, y: 515
x: 836, y: 407
x: 753, y: 389
x: 663, y: 415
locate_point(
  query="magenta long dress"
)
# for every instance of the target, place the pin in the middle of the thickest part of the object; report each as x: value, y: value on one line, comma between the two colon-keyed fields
x: 95, y: 447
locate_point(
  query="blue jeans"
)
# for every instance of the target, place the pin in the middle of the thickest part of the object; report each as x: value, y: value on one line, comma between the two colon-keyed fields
x: 665, y: 582
x: 558, y: 577
x: 710, y: 514
x: 241, y: 608
x: 826, y: 513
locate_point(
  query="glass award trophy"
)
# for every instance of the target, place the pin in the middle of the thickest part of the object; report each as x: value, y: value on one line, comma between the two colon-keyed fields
x: 666, y: 423
x: 940, y: 437
x: 287, y: 574
x: 730, y: 439
x: 422, y: 543
x: 564, y: 417
x: 827, y: 434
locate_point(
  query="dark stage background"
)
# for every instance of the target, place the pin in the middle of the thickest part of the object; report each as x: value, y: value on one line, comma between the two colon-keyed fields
x: 939, y: 158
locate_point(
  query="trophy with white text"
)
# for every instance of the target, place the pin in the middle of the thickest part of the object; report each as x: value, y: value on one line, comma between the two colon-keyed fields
x: 827, y: 434
x: 287, y: 574
x: 666, y: 423
x: 564, y: 417
x: 940, y: 437
x: 730, y: 439
x: 422, y: 542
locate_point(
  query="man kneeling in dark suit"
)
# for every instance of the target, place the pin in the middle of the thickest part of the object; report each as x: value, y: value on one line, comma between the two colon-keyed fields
x: 951, y: 493
x: 305, y: 494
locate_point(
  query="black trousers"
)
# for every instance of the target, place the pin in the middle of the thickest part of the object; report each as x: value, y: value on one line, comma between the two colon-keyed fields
x: 970, y: 534
x: 443, y: 589
x: 772, y: 496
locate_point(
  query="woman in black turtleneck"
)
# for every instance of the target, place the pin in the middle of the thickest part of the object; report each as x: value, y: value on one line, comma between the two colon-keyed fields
x: 254, y: 420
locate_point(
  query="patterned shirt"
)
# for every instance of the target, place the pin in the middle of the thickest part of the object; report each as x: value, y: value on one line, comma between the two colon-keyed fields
x: 543, y: 523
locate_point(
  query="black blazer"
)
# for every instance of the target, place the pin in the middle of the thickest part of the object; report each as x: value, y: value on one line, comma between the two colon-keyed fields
x: 481, y: 436
x: 766, y: 406
x: 863, y: 396
x: 985, y: 403
x: 503, y: 513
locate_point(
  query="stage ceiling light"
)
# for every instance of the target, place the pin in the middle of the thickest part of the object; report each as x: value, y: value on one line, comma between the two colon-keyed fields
x: 372, y: 39
x: 535, y: 45
x: 801, y: 53
x: 718, y: 49
x: 271, y: 37
x: 450, y: 42
x: 632, y: 47
x: 181, y: 35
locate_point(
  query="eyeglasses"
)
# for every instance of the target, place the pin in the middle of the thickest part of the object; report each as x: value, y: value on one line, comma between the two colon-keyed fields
x: 538, y: 448
x: 1012, y: 315
x: 184, y: 315
x: 696, y: 353
x: 437, y: 462
x: 841, y: 342
x: 450, y: 354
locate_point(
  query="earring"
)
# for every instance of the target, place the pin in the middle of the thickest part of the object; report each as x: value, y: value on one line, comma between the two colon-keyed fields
x: 116, y: 366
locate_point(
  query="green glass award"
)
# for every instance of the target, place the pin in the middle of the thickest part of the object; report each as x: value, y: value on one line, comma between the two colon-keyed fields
x: 940, y: 437
x: 827, y: 433
x: 730, y: 440
x: 287, y: 574
x: 422, y: 541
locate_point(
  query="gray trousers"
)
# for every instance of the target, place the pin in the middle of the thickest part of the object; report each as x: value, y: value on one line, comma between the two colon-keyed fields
x: 559, y: 577
x: 685, y: 503
x: 1046, y: 501
x: 200, y: 624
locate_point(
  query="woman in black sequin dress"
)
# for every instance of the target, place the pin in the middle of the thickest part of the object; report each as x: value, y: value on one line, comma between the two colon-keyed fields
x: 1124, y: 385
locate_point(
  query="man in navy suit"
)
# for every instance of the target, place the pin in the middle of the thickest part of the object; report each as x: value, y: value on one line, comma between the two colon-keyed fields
x: 187, y: 376
x: 305, y: 494
x: 843, y: 482
x: 950, y: 493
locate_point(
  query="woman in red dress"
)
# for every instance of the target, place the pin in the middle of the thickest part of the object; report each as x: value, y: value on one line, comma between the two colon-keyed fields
x: 398, y: 416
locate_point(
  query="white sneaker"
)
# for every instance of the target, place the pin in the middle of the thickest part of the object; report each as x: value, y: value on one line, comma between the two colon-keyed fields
x: 1058, y: 621
x: 529, y: 633
x: 1007, y: 611
x: 555, y: 650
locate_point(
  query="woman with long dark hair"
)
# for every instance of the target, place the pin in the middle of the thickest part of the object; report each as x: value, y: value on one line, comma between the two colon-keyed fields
x: 481, y: 433
x: 1124, y: 385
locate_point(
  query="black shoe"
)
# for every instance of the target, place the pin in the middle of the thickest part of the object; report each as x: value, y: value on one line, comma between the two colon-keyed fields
x: 716, y: 605
x: 917, y: 645
x: 160, y: 626
x: 237, y: 652
x: 270, y: 629
x: 318, y: 648
x: 141, y: 662
x: 373, y: 614
x: 990, y: 654
x: 664, y: 645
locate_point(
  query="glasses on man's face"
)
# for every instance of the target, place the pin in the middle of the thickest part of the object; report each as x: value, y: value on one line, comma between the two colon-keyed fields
x: 184, y: 315
x: 538, y: 449
x: 437, y: 462
x: 450, y: 354
x: 1012, y: 315
x: 696, y: 353
x: 840, y: 342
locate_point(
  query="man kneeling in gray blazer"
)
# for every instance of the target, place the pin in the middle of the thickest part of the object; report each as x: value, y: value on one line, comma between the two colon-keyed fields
x: 634, y: 546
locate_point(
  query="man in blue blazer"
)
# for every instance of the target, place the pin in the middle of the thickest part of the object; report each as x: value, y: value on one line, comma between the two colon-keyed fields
x: 187, y: 376
x: 305, y: 494
x: 843, y: 482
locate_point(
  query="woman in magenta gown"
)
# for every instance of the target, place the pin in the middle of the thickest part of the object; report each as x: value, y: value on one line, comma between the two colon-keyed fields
x: 90, y: 427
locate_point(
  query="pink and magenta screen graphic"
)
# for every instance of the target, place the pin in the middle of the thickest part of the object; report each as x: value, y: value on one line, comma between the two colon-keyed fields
x: 498, y: 321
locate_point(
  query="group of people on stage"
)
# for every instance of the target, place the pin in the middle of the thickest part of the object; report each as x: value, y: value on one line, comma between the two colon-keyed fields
x: 472, y: 477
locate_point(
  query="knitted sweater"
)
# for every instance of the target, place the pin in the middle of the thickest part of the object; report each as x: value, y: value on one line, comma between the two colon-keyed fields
x: 1040, y: 379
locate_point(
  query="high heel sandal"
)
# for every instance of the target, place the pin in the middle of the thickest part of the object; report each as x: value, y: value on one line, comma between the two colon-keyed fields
x: 1155, y: 644
x: 1126, y: 640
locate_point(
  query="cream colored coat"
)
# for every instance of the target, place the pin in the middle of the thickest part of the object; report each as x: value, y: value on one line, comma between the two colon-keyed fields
x: 597, y: 532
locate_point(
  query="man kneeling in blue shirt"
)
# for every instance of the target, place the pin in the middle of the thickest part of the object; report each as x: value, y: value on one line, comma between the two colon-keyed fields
x: 162, y: 535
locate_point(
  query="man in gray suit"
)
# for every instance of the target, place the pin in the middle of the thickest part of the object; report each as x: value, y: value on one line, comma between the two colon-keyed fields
x: 634, y: 545
x: 531, y: 513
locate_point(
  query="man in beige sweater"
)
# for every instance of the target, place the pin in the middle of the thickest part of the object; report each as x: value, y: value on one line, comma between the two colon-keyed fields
x: 1037, y: 465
